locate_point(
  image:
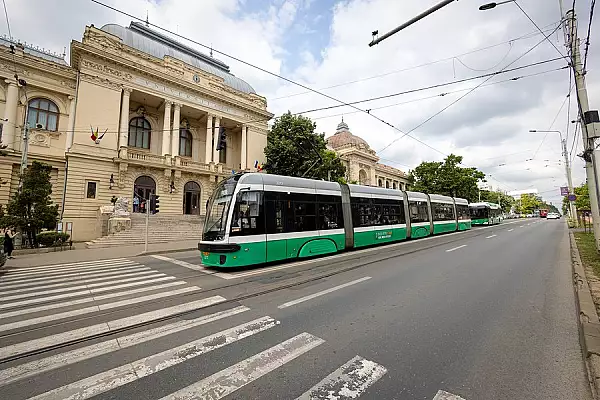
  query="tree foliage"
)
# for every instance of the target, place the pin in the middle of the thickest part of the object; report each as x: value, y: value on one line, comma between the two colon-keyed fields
x: 31, y: 208
x: 447, y: 178
x: 583, y: 198
x: 294, y: 149
x: 506, y: 202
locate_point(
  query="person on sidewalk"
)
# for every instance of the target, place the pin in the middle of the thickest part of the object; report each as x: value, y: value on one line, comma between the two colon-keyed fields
x: 8, y: 243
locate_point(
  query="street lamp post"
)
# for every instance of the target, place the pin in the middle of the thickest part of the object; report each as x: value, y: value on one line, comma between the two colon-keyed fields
x: 572, y: 208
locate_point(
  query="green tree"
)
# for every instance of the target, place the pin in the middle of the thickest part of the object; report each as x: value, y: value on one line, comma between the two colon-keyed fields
x: 294, y: 149
x: 447, y: 178
x: 527, y: 204
x: 31, y: 208
x: 583, y: 198
x: 506, y: 202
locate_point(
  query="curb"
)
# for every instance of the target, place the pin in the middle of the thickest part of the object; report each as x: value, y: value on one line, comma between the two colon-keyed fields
x: 589, y: 323
x: 149, y: 253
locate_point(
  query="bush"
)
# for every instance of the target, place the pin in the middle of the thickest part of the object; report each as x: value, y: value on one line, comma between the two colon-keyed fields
x: 49, y: 239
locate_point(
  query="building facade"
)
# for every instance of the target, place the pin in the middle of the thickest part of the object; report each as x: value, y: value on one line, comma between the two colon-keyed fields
x: 362, y: 163
x: 134, y: 113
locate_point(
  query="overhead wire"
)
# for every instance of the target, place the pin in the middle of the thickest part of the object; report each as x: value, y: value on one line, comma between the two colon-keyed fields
x: 554, y: 120
x: 492, y: 67
x: 587, y: 40
x: 469, y: 92
x: 526, y: 36
x: 540, y: 29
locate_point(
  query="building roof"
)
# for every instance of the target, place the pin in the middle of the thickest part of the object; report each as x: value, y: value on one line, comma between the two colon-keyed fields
x: 343, y: 136
x: 34, y: 51
x: 158, y: 45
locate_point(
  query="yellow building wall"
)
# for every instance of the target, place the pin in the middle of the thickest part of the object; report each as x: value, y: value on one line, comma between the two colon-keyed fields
x: 97, y: 107
x: 256, y: 143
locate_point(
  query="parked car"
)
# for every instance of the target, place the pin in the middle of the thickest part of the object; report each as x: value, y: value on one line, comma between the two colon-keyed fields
x: 552, y: 215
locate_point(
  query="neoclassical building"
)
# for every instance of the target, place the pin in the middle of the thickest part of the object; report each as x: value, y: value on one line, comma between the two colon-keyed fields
x: 362, y: 163
x: 134, y: 113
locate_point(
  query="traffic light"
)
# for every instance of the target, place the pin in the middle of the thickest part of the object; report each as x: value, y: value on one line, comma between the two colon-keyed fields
x: 222, y: 139
x: 154, y: 203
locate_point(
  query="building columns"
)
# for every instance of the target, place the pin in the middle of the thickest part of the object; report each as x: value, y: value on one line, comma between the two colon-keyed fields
x: 209, y: 139
x: 216, y: 135
x: 166, y: 133
x: 9, y: 124
x: 71, y: 126
x: 175, y: 131
x: 124, y: 128
x: 244, y: 155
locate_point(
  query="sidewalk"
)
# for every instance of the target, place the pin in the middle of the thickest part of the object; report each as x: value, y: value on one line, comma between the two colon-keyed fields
x: 79, y: 255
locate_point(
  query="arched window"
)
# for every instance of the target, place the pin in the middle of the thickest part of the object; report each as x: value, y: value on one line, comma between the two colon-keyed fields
x: 42, y: 114
x: 387, y: 184
x: 139, y: 133
x: 395, y: 186
x: 185, y: 143
x: 380, y: 183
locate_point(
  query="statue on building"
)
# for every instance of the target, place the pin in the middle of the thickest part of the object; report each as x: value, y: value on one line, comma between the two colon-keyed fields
x: 121, y: 208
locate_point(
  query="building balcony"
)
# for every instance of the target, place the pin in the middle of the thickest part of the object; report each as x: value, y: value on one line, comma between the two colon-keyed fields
x: 185, y: 164
x: 141, y: 157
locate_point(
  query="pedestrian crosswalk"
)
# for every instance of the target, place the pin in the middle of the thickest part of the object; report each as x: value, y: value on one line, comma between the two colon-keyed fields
x: 77, y: 335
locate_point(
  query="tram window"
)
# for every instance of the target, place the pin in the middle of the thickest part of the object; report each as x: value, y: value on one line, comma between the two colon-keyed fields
x: 330, y: 212
x: 274, y: 211
x: 442, y: 211
x: 362, y: 210
x: 392, y: 211
x: 305, y: 217
x: 463, y: 211
x: 248, y: 217
x: 418, y: 211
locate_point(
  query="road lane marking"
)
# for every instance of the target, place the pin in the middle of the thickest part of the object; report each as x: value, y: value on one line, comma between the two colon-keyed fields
x: 521, y: 226
x: 347, y: 382
x: 119, y: 376
x: 63, y: 337
x: 63, y: 270
x: 184, y: 264
x: 102, y: 307
x: 82, y: 293
x: 77, y: 287
x: 53, y: 283
x: 323, y: 292
x: 71, y: 275
x: 510, y: 230
x: 456, y: 248
x: 233, y: 378
x: 441, y: 395
x: 60, y: 360
x: 111, y: 260
x: 491, y: 236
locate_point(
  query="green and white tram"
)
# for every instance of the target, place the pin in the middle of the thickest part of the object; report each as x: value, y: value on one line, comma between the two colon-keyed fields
x: 485, y: 213
x: 257, y: 218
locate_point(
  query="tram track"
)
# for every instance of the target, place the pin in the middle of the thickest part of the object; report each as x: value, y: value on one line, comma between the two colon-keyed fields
x: 356, y: 263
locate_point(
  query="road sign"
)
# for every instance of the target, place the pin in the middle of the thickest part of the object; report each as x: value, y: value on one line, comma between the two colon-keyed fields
x: 564, y: 191
x: 572, y: 197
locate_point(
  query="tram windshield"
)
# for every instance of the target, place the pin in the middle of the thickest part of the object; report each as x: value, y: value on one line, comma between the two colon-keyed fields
x: 217, y: 210
x: 479, y: 212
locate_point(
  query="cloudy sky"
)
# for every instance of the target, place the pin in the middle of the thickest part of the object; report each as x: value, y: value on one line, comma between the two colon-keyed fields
x: 323, y: 44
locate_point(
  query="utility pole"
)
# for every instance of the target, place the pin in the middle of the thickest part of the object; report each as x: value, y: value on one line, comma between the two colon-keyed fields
x: 583, y: 103
x: 147, y: 220
x: 24, y: 153
x: 572, y: 208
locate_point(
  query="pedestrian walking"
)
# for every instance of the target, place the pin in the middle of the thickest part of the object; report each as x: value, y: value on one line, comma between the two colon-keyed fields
x: 8, y: 243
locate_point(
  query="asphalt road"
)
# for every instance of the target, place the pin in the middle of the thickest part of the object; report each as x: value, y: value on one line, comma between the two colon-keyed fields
x: 487, y: 314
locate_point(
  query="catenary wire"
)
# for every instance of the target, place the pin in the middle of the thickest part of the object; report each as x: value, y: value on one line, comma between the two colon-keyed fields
x: 526, y: 36
x: 469, y: 92
x: 540, y: 29
x: 587, y: 40
x: 554, y: 120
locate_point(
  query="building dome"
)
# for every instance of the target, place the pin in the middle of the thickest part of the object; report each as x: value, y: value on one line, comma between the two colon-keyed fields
x: 343, y: 137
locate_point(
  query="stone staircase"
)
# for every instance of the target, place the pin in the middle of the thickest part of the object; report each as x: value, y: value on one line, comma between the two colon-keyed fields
x: 161, y: 229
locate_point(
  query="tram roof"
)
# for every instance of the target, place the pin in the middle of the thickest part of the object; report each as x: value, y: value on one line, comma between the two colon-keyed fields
x: 438, y: 198
x: 458, y: 200
x: 375, y: 190
x: 485, y: 204
x: 288, y: 181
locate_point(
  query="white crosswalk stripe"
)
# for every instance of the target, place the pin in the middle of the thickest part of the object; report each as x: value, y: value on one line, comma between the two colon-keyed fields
x: 170, y: 334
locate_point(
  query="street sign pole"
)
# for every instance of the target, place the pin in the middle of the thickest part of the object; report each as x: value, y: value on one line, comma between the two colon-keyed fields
x: 147, y: 219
